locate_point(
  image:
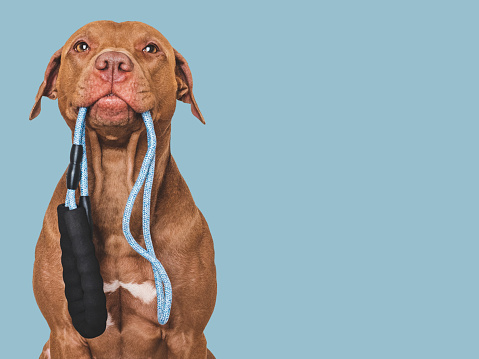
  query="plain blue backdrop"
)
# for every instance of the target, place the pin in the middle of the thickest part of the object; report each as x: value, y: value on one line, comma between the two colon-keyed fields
x: 337, y: 169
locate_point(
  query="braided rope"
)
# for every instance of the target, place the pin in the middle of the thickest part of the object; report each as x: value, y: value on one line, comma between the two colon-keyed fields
x: 147, y: 170
x: 162, y: 282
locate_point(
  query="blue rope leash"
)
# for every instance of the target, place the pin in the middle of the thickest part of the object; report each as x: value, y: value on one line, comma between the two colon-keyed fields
x: 162, y: 282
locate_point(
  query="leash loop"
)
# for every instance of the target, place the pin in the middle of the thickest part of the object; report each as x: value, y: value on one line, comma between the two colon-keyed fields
x: 147, y: 170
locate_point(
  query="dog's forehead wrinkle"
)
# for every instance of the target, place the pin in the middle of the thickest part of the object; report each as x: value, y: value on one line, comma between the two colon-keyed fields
x: 122, y: 50
x: 121, y: 30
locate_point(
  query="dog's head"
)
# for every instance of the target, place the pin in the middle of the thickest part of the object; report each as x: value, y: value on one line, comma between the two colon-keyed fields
x: 118, y: 71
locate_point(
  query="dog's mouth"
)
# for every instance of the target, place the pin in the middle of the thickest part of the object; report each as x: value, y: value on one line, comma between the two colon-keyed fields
x: 111, y: 110
x: 111, y: 101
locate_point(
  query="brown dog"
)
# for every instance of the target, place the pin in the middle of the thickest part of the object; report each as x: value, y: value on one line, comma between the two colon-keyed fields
x: 119, y: 70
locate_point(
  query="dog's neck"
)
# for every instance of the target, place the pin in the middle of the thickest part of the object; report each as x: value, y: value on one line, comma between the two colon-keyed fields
x: 113, y: 170
x: 124, y: 159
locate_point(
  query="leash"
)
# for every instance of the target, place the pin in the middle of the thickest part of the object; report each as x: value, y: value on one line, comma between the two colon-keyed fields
x: 81, y: 270
x: 147, y: 170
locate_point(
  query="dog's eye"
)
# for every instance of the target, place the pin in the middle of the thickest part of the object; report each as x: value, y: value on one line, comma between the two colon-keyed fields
x: 81, y: 46
x: 151, y: 48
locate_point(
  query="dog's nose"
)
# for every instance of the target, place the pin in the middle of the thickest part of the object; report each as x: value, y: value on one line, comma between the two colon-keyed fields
x: 113, y: 66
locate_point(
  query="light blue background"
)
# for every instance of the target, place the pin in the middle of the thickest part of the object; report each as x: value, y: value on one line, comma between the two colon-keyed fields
x: 337, y: 170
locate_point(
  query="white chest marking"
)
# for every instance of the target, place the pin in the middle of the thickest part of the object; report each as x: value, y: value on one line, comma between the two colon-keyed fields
x: 109, y: 321
x: 145, y: 291
x: 111, y: 287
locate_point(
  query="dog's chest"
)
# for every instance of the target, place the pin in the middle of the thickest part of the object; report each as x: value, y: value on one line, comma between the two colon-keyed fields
x: 130, y: 292
x: 128, y: 278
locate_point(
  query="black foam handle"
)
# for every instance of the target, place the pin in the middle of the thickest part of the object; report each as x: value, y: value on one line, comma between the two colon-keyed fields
x: 81, y: 273
x: 74, y: 169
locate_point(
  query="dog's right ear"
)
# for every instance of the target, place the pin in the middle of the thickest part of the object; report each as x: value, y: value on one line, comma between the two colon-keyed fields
x: 48, y: 86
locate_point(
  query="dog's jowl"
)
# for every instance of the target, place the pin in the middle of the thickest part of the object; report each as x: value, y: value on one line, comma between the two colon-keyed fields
x: 119, y: 71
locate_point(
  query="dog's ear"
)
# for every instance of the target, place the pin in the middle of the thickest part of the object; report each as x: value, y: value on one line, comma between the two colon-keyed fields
x: 185, y: 85
x: 47, y: 88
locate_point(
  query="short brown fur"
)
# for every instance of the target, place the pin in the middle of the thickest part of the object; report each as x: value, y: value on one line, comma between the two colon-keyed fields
x: 116, y: 144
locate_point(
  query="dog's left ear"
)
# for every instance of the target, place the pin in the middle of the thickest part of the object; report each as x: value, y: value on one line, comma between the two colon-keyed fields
x: 185, y: 85
x: 47, y: 88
